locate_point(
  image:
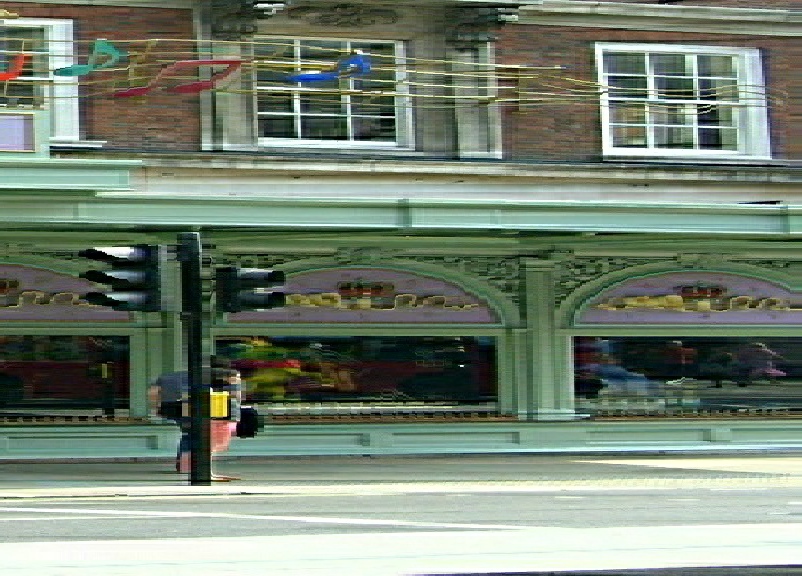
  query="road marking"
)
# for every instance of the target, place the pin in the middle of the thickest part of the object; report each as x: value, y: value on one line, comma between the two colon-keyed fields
x: 569, y: 497
x: 302, y: 519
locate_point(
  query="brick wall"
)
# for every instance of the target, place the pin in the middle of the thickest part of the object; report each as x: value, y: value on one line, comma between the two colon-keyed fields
x: 160, y: 122
x: 571, y: 131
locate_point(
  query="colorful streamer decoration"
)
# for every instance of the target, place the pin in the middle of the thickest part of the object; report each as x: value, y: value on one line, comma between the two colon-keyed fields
x: 104, y: 55
x: 358, y: 64
x: 175, y: 70
x: 15, y: 70
x: 150, y: 66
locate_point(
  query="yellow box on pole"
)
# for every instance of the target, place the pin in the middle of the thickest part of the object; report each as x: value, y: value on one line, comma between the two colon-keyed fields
x: 220, y: 406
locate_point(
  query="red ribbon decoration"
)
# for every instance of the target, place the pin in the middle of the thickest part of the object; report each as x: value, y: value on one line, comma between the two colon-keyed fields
x: 191, y: 88
x: 16, y: 68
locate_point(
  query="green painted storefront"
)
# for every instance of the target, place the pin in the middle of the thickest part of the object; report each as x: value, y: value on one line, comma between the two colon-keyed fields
x: 533, y: 267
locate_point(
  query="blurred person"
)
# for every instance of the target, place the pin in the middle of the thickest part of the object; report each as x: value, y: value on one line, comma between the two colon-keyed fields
x: 756, y: 360
x: 169, y: 395
x: 678, y: 362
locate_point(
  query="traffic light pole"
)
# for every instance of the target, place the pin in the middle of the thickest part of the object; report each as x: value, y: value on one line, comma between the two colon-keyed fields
x: 189, y: 255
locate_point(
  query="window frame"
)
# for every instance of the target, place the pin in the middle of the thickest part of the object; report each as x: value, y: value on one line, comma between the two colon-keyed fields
x: 751, y: 119
x: 404, y: 139
x: 62, y: 101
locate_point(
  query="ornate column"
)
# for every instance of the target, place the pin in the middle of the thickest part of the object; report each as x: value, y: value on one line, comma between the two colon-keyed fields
x: 547, y: 356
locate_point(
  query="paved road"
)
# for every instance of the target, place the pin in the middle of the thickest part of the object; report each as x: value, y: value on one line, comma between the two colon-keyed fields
x: 377, y: 516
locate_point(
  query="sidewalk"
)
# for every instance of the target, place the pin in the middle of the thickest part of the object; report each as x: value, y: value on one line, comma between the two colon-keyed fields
x: 404, y: 474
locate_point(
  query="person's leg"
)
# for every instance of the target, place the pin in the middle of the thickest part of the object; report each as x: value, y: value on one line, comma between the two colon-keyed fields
x: 221, y: 432
x: 182, y: 462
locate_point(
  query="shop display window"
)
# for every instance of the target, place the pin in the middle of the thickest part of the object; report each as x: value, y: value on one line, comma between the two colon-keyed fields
x: 649, y: 376
x: 60, y: 378
x: 367, y: 376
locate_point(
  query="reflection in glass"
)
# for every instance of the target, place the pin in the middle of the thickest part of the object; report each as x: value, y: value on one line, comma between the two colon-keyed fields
x: 718, y: 139
x: 672, y: 114
x: 627, y: 86
x: 671, y: 65
x: 362, y: 371
x: 717, y: 66
x: 627, y: 113
x: 58, y: 376
x: 649, y: 376
x: 625, y: 63
x: 674, y: 88
x: 277, y: 127
x: 669, y: 137
x: 320, y: 128
x: 629, y: 136
x: 718, y: 90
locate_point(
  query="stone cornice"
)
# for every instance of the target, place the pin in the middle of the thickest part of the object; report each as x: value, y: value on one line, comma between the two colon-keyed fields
x: 780, y: 173
x: 664, y: 18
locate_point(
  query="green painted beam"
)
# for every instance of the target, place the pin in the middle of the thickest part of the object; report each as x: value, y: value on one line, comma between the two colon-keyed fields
x: 37, y: 175
x: 414, y: 215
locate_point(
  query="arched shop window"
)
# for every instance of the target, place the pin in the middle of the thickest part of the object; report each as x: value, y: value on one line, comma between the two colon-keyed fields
x: 718, y: 352
x: 381, y: 376
x: 54, y: 366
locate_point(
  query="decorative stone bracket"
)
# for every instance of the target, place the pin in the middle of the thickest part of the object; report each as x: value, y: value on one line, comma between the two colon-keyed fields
x: 477, y: 26
x: 236, y: 19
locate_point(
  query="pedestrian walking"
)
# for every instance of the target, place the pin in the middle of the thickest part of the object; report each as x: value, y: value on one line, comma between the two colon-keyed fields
x: 169, y: 396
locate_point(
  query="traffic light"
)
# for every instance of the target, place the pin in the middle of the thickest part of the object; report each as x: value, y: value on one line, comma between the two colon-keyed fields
x: 241, y: 289
x: 135, y: 277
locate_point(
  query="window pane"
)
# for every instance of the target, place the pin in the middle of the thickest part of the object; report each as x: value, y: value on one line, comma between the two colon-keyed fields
x: 668, y: 114
x: 321, y: 103
x: 317, y: 128
x: 666, y: 137
x: 671, y: 65
x: 719, y: 66
x: 674, y: 88
x: 718, y: 90
x: 627, y: 86
x: 277, y: 127
x: 374, y: 128
x: 327, y: 110
x: 275, y: 102
x: 629, y: 136
x: 377, y: 374
x: 272, y: 74
x: 716, y: 116
x: 625, y: 113
x: 718, y: 139
x: 59, y: 376
x: 373, y: 106
x: 20, y: 91
x: 17, y: 133
x: 709, y: 376
x: 624, y: 63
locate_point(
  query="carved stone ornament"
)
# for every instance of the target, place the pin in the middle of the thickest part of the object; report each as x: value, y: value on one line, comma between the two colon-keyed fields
x: 344, y: 15
x: 577, y: 272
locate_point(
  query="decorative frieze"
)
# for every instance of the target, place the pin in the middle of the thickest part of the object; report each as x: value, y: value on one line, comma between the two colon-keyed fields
x: 344, y: 15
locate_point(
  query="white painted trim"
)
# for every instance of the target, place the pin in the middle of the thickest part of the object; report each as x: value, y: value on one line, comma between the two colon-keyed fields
x: 753, y: 122
x: 63, y: 102
x: 664, y: 18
